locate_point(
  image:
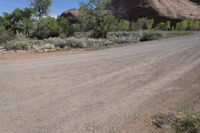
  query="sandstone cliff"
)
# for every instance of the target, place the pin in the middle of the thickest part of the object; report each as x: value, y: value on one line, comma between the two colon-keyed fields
x: 158, y: 9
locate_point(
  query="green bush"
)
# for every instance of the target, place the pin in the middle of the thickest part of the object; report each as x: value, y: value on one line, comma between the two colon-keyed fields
x: 183, y: 25
x: 58, y: 42
x: 98, y: 43
x: 193, y: 25
x: 67, y: 42
x: 81, y: 42
x: 165, y: 26
x: 132, y: 37
x: 188, y: 25
x: 29, y: 45
x: 148, y: 36
x: 17, y: 45
x: 124, y: 37
x: 41, y: 33
x: 191, y: 124
x: 142, y: 24
x: 4, y: 35
x: 121, y: 25
x: 75, y: 43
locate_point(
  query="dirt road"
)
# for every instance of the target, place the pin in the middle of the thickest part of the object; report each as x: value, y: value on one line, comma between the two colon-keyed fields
x: 107, y: 91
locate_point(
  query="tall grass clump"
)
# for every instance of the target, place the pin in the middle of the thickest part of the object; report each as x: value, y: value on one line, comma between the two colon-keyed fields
x: 191, y: 124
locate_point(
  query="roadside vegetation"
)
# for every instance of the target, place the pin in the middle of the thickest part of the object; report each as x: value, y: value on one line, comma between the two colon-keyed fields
x: 33, y: 29
x: 190, y: 124
x: 177, y: 122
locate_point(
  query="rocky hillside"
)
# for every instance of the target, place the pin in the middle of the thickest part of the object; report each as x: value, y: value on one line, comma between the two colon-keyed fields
x: 158, y: 9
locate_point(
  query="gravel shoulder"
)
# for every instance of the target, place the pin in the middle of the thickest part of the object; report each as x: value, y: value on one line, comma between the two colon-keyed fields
x: 105, y: 91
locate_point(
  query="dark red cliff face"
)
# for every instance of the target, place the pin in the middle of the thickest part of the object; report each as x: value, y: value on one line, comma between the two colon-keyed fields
x: 159, y: 10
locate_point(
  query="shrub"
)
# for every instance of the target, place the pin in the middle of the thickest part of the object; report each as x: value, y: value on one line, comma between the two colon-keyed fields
x: 98, y: 43
x: 67, y: 42
x: 193, y: 25
x: 124, y: 37
x: 17, y: 45
x: 149, y: 24
x: 164, y: 26
x: 188, y: 25
x: 41, y: 33
x: 4, y: 35
x: 191, y: 124
x: 121, y: 25
x: 66, y: 29
x: 148, y: 36
x: 142, y: 24
x: 183, y: 25
x: 21, y: 43
x: 75, y: 43
x: 58, y: 42
x: 81, y: 42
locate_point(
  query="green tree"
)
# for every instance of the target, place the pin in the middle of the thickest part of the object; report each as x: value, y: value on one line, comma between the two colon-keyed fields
x: 12, y: 21
x: 19, y: 21
x: 52, y: 25
x: 65, y: 27
x: 41, y: 7
x: 95, y: 17
x: 27, y: 21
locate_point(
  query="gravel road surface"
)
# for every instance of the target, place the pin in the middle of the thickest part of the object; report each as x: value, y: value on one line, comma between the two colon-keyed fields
x: 104, y: 91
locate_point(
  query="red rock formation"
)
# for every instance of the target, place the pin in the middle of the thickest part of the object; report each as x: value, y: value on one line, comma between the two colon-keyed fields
x: 157, y: 9
x: 71, y: 14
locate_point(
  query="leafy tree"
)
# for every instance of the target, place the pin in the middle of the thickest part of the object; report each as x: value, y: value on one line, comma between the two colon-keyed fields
x: 48, y: 28
x: 19, y: 21
x: 41, y: 7
x: 10, y: 21
x: 27, y: 21
x: 95, y: 17
x: 52, y: 25
x: 65, y: 27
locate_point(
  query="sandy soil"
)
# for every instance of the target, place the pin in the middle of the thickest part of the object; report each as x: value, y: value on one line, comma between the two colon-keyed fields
x: 115, y: 90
